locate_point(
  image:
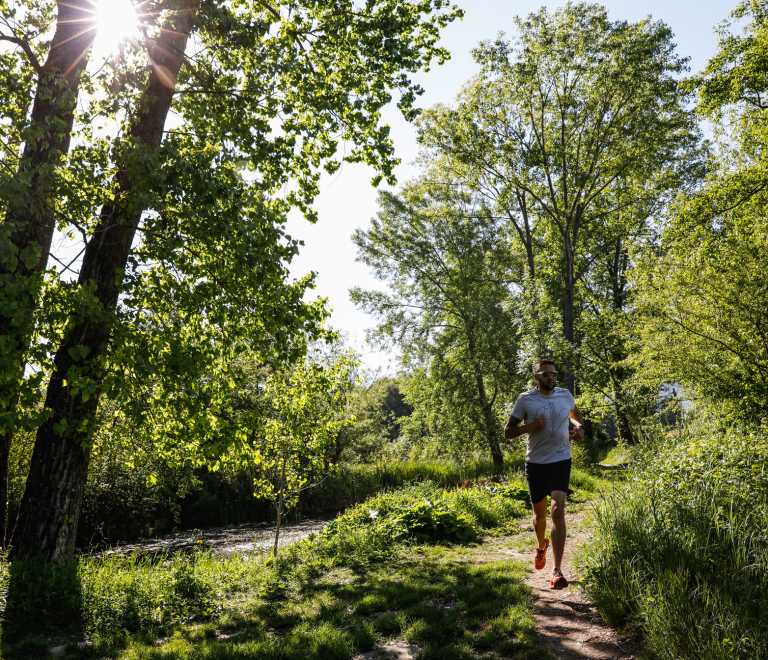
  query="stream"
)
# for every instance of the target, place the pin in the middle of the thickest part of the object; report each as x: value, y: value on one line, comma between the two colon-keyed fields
x: 249, y: 538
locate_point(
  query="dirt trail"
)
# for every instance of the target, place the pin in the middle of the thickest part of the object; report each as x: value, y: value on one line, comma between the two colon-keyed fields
x: 569, y: 625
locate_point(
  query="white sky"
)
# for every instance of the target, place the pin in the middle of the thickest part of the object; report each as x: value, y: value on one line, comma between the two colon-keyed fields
x: 348, y: 201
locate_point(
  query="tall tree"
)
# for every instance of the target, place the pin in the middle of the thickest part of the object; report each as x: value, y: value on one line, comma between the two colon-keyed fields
x: 703, y: 291
x: 574, y: 107
x: 269, y: 89
x: 29, y: 183
x: 446, y: 259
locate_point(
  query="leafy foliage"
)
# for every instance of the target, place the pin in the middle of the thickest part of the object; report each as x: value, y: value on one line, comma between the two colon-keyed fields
x: 703, y: 292
x: 182, y: 231
x: 574, y: 131
x: 432, y: 521
x: 444, y: 255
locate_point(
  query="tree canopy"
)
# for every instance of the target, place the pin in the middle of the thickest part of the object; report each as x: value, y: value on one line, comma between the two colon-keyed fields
x: 704, y: 291
x: 189, y: 146
x: 567, y: 126
x: 445, y: 257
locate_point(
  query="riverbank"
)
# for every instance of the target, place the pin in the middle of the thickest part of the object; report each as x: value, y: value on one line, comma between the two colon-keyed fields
x: 439, y: 572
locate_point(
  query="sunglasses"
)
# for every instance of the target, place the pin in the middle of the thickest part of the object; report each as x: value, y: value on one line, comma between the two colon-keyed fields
x: 547, y: 374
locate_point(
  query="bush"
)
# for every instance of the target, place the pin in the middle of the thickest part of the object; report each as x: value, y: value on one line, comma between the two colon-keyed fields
x: 427, y: 521
x: 492, y: 507
x: 681, y: 551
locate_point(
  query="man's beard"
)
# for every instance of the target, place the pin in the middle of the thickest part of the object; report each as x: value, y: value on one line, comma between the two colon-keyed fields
x: 546, y: 386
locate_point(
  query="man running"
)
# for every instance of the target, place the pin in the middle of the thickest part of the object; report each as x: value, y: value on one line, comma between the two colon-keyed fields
x: 545, y: 411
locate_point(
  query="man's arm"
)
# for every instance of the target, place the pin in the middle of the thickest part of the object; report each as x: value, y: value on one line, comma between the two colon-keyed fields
x: 512, y: 429
x: 577, y: 420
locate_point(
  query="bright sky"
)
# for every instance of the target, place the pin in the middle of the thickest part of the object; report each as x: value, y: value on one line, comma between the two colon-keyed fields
x: 348, y: 201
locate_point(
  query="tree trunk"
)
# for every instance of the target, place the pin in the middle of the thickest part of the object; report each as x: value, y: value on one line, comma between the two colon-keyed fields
x: 625, y: 430
x: 5, y: 452
x: 617, y: 267
x: 50, y: 507
x: 31, y: 208
x: 280, y: 504
x: 491, y: 432
x: 622, y: 419
x: 568, y: 320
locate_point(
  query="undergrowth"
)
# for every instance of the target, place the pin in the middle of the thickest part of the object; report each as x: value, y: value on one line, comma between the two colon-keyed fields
x: 397, y: 566
x: 681, y: 551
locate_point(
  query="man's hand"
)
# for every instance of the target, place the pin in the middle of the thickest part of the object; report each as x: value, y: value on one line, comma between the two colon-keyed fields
x: 577, y: 434
x: 539, y: 423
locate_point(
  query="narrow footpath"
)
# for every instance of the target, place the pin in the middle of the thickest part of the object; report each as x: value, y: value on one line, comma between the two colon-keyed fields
x: 569, y: 625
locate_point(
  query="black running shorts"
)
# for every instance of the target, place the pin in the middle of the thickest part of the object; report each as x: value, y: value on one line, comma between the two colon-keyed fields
x: 543, y: 478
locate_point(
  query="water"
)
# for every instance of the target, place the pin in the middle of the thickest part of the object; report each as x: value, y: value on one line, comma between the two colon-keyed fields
x: 246, y: 539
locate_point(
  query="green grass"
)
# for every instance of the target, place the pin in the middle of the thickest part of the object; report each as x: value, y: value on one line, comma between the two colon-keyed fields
x: 680, y: 552
x: 364, y: 581
x: 354, y: 484
x: 618, y: 455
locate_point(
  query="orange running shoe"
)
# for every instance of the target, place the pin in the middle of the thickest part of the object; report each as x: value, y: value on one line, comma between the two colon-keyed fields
x: 540, y: 560
x: 558, y: 580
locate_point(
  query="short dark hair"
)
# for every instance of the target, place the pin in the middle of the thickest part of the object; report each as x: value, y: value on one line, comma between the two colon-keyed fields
x: 541, y: 363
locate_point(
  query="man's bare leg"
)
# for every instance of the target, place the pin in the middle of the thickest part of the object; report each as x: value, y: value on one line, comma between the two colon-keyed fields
x: 540, y: 521
x: 558, y: 525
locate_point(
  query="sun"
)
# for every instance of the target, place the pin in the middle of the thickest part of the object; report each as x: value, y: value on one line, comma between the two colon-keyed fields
x: 116, y: 21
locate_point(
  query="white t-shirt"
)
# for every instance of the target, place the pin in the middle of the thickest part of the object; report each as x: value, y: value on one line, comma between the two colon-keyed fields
x: 552, y: 443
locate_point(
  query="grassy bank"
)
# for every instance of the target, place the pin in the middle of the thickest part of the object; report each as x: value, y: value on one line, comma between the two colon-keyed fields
x: 681, y: 552
x: 417, y: 564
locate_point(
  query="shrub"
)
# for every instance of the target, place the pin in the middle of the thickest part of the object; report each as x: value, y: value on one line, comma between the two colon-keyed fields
x: 422, y: 512
x: 432, y: 521
x: 368, y: 532
x: 682, y: 549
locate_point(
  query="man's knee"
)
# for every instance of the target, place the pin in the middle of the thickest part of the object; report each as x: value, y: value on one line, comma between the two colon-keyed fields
x: 558, y: 509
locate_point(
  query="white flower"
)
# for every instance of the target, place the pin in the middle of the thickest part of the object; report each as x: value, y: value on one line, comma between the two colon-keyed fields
x: 373, y: 514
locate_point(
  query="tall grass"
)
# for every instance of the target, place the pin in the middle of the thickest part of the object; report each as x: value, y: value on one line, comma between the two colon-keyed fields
x: 353, y: 484
x: 681, y: 551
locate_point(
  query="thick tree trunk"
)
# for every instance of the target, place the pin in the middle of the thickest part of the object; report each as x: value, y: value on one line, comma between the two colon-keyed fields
x: 30, y: 209
x: 50, y: 507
